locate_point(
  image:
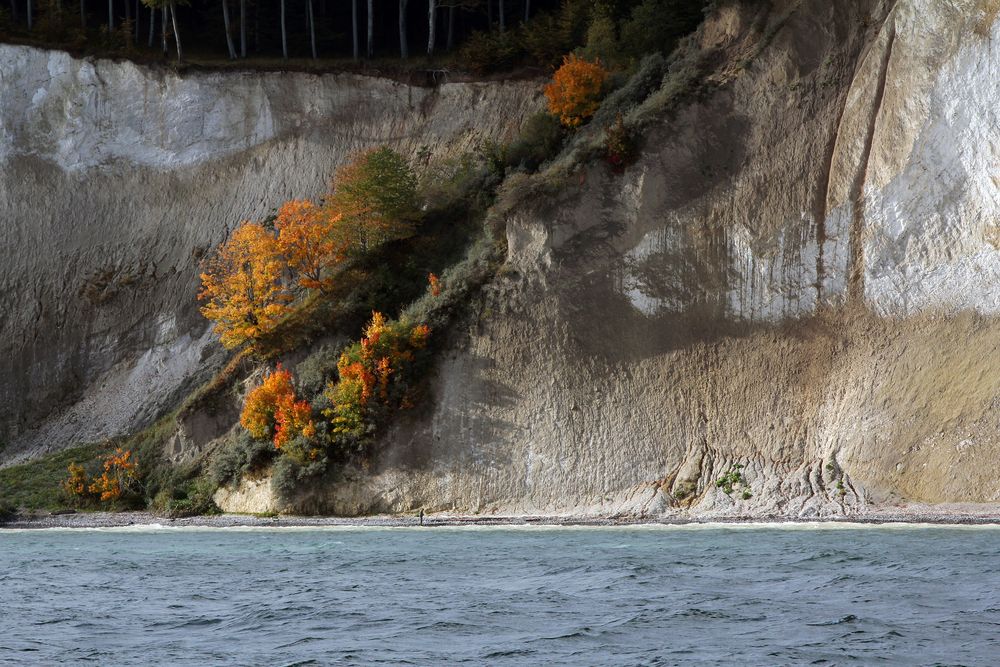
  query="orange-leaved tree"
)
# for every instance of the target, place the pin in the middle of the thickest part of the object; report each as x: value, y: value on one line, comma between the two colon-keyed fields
x: 273, y: 411
x: 575, y: 91
x: 119, y: 475
x: 307, y: 240
x: 374, y: 374
x: 376, y: 195
x: 243, y: 287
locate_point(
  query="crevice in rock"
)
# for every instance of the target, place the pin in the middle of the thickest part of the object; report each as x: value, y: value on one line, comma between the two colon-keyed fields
x: 856, y: 246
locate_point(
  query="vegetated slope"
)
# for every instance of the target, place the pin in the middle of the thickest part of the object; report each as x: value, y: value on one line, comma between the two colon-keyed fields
x: 800, y: 276
x: 115, y: 180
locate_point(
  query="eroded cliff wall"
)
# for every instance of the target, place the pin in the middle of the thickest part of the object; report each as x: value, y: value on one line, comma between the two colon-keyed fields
x: 800, y: 274
x: 116, y: 179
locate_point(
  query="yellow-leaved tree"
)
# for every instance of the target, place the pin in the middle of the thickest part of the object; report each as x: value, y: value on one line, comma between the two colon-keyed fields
x: 242, y: 286
x: 307, y: 238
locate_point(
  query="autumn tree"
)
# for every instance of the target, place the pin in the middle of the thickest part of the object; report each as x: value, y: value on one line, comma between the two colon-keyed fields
x: 119, y: 475
x: 376, y: 193
x: 242, y: 286
x: 575, y: 91
x: 374, y: 375
x: 273, y: 411
x: 307, y: 238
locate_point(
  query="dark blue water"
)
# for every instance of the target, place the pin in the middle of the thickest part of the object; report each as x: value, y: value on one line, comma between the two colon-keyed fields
x: 509, y: 596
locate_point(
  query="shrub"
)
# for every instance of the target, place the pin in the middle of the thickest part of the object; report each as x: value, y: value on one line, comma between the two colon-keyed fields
x: 272, y: 410
x: 619, y: 145
x: 733, y: 479
x: 118, y: 479
x: 647, y: 78
x: 193, y: 497
x: 375, y: 376
x: 540, y: 140
x: 575, y: 91
x: 455, y: 185
x: 239, y: 456
x: 317, y: 369
x: 288, y: 476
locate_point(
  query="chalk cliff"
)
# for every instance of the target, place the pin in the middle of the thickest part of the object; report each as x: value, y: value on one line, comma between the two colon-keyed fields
x: 116, y: 179
x: 800, y: 274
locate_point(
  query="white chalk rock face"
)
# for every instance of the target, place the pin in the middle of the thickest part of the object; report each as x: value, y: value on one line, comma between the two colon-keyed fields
x: 116, y: 179
x: 800, y: 275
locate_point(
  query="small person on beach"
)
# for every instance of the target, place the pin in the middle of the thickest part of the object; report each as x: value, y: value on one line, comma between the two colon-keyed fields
x: 421, y: 516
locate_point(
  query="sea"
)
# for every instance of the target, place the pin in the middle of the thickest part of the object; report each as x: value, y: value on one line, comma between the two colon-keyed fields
x: 779, y: 594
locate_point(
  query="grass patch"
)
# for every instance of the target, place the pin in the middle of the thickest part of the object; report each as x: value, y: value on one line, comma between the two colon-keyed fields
x: 36, y: 485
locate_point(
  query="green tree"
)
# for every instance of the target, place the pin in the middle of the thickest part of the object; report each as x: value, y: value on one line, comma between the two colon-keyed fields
x: 376, y: 195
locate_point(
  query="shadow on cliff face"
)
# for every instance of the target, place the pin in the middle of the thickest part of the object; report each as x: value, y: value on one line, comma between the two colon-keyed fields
x: 414, y: 445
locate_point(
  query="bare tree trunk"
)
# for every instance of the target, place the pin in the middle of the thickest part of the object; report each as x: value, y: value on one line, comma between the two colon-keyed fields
x: 284, y: 34
x: 111, y: 16
x: 489, y: 13
x: 451, y: 27
x: 137, y: 22
x: 354, y: 26
x: 503, y: 25
x: 229, y: 34
x: 164, y: 15
x: 431, y: 24
x: 152, y: 26
x: 83, y: 14
x: 312, y: 26
x: 29, y: 14
x: 404, y: 50
x: 177, y: 34
x: 243, y: 28
x: 371, y: 28
x: 128, y: 14
x: 527, y: 9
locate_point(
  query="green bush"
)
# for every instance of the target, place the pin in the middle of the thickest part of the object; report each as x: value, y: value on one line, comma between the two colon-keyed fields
x: 313, y: 372
x: 239, y: 455
x: 540, y: 140
x: 454, y: 184
x: 288, y: 476
x: 191, y: 498
x: 647, y: 78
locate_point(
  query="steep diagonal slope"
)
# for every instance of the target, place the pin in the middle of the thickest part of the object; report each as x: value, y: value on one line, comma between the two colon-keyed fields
x: 801, y: 275
x: 114, y: 182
